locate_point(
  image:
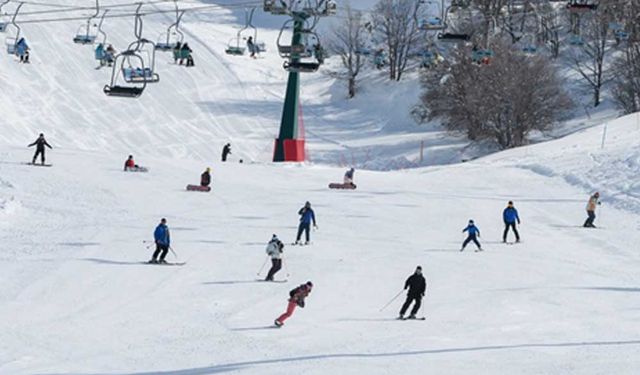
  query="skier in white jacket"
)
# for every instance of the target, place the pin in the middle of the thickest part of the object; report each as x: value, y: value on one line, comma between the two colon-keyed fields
x: 274, y: 250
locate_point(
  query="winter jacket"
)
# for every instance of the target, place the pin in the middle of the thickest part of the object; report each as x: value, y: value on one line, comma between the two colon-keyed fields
x: 129, y: 164
x: 510, y: 215
x: 307, y: 216
x: 416, y: 285
x: 593, y: 201
x: 161, y: 235
x: 22, y: 47
x: 299, y: 294
x: 472, y: 229
x: 100, y: 54
x: 40, y: 143
x: 205, y: 179
x: 226, y: 150
x: 274, y: 248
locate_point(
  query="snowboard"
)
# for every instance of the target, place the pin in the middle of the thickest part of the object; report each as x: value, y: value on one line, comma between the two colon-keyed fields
x: 342, y: 186
x: 139, y: 169
x: 198, y: 188
x: 166, y: 264
x: 38, y: 164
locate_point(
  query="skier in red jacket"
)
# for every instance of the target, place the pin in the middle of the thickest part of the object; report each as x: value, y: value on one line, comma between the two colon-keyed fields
x: 297, y: 297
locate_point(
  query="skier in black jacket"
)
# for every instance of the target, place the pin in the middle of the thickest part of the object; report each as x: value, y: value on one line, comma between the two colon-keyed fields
x: 417, y: 286
x: 39, y: 143
x: 226, y: 150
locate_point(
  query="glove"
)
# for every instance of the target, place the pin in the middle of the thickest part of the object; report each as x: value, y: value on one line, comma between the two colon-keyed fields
x: 300, y: 303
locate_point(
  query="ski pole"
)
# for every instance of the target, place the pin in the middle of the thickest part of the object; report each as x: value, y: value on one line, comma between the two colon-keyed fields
x: 392, y: 299
x: 263, y: 264
x: 286, y: 269
x: 173, y: 252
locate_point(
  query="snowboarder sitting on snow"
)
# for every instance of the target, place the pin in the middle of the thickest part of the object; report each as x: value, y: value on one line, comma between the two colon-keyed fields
x: 274, y: 250
x: 510, y: 217
x: 205, y: 178
x: 163, y: 241
x: 129, y: 164
x: 226, y: 151
x: 474, y: 233
x: 591, y: 210
x: 417, y: 286
x: 39, y: 143
x: 296, y: 298
x: 307, y: 216
x: 348, y: 177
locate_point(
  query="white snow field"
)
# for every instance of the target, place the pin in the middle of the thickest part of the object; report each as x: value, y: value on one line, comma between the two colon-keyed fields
x: 76, y: 299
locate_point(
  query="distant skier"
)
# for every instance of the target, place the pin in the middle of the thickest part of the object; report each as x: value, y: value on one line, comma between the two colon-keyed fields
x: 296, y: 298
x: 176, y: 52
x: 251, y: 46
x: 40, y: 143
x: 591, y: 210
x: 510, y: 218
x: 307, y: 216
x: 185, y: 53
x: 100, y: 54
x: 129, y: 164
x: 274, y: 250
x: 205, y: 177
x: 473, y: 234
x: 226, y: 151
x: 163, y: 241
x: 348, y: 177
x: 110, y: 54
x: 417, y: 286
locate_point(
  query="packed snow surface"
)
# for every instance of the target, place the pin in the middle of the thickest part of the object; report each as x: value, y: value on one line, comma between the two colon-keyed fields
x: 77, y: 299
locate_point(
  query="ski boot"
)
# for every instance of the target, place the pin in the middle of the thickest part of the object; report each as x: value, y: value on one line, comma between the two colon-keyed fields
x: 278, y: 323
x: 162, y: 261
x: 401, y: 317
x: 412, y: 316
x: 153, y: 261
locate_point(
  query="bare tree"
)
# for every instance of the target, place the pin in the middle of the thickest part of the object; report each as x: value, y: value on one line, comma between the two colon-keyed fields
x: 626, y: 66
x: 398, y: 23
x: 490, y: 11
x: 551, y: 26
x: 503, y: 101
x: 348, y: 40
x: 588, y: 59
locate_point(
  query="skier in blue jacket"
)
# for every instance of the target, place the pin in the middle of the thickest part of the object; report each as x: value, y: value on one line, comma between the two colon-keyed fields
x: 510, y: 217
x: 473, y: 234
x: 163, y: 241
x: 307, y: 216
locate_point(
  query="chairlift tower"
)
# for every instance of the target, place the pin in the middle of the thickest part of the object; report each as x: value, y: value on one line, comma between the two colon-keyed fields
x: 289, y: 146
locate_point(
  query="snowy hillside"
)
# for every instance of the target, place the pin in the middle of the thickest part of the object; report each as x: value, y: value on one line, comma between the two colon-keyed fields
x: 76, y: 299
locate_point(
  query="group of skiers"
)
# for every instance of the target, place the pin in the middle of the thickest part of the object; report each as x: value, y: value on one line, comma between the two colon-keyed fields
x: 415, y: 284
x: 183, y: 54
x: 105, y: 56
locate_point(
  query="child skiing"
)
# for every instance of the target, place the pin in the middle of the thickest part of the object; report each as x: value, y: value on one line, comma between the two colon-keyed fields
x: 510, y: 217
x: 296, y: 298
x: 274, y: 250
x: 40, y: 143
x: 307, y: 216
x: 417, y: 286
x: 473, y: 234
x: 163, y: 241
x: 591, y: 210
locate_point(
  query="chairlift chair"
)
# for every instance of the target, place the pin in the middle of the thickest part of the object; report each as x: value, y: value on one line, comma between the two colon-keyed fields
x: 3, y: 24
x: 296, y: 50
x: 431, y: 23
x: 453, y: 37
x: 165, y: 41
x: 125, y: 91
x: 275, y: 7
x: 234, y: 50
x: 10, y: 44
x: 529, y: 46
x: 85, y: 37
x: 136, y: 73
x: 301, y: 67
x: 576, y: 40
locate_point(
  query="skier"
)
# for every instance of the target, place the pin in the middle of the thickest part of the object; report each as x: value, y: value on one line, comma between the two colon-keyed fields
x: 22, y: 50
x: 100, y: 54
x: 39, y: 143
x: 348, y: 177
x: 205, y: 178
x: 417, y: 286
x: 473, y: 232
x: 296, y: 298
x: 251, y: 47
x: 274, y: 250
x: 163, y: 241
x: 226, y: 151
x: 510, y: 217
x: 129, y: 164
x: 185, y: 52
x: 110, y: 54
x: 176, y: 52
x: 591, y: 210
x: 307, y: 216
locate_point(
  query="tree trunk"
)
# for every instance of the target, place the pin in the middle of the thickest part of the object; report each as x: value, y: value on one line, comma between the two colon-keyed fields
x: 352, y: 86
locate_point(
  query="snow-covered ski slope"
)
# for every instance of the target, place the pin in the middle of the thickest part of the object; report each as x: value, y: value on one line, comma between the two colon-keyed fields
x: 76, y: 299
